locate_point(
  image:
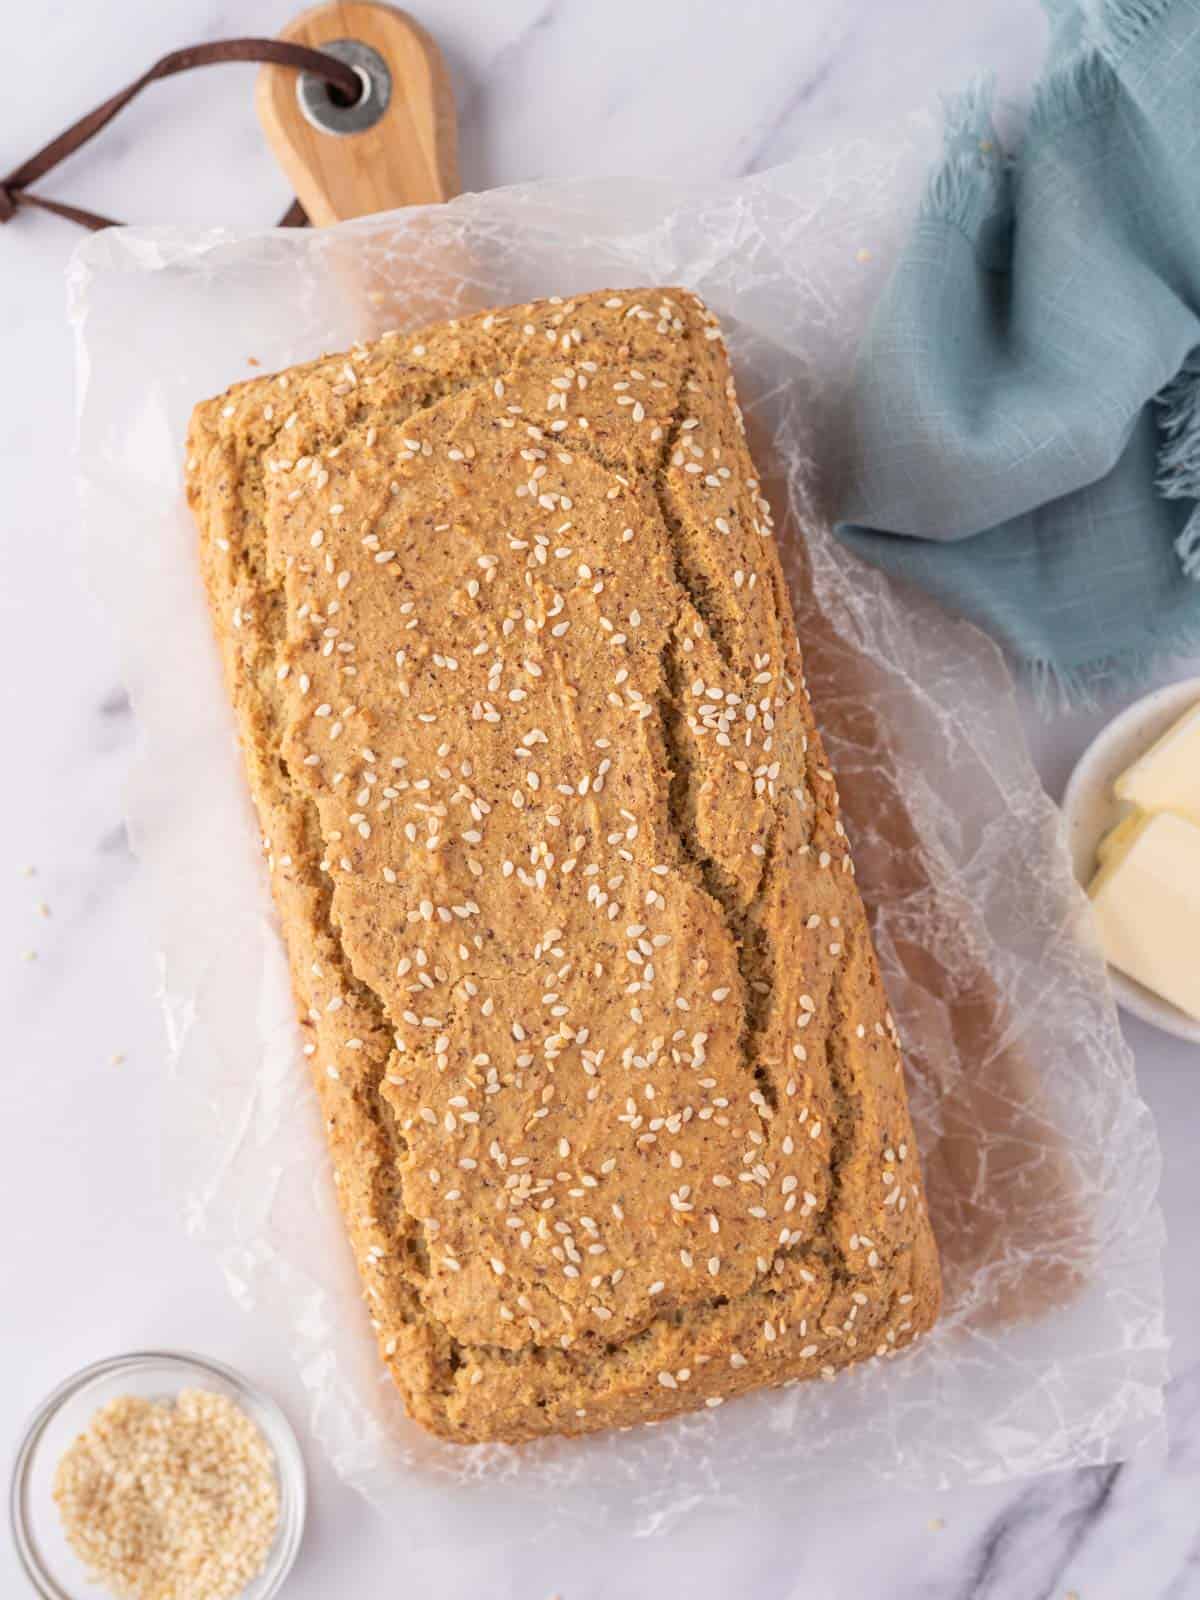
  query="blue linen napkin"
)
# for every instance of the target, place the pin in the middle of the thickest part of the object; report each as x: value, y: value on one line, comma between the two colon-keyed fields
x: 1026, y: 404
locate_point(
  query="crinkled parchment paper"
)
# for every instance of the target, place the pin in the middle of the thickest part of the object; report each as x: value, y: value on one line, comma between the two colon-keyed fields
x: 1042, y: 1160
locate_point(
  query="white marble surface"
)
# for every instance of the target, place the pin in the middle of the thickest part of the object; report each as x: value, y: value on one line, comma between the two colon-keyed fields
x: 94, y: 1261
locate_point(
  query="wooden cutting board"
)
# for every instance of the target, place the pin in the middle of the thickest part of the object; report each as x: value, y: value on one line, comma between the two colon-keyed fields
x: 407, y: 156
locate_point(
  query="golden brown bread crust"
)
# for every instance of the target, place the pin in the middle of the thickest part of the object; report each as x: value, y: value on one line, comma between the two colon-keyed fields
x: 615, y: 1103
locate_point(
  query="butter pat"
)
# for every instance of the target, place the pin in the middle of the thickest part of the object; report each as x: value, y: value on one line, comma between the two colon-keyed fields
x: 1167, y: 777
x: 1147, y: 902
x: 1117, y: 840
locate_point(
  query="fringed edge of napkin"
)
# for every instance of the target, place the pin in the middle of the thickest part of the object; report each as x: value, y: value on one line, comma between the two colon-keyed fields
x: 1115, y: 26
x: 970, y: 188
x: 970, y: 183
x: 1179, y: 455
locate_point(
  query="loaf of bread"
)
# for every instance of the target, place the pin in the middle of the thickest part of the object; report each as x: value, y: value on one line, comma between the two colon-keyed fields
x: 614, y: 1099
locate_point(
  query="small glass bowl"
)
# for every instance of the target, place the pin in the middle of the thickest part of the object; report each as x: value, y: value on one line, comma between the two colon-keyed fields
x: 53, y: 1567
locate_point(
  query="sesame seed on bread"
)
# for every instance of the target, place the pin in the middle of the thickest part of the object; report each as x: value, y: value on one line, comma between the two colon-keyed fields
x: 614, y: 1099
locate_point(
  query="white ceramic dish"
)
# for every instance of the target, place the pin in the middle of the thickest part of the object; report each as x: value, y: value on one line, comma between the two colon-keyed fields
x: 1091, y: 810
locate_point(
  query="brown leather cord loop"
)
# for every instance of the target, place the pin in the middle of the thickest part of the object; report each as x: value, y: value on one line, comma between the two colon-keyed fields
x: 294, y: 217
x: 14, y: 190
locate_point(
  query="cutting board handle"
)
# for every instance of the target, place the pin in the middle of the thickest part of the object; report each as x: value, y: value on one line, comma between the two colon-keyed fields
x: 405, y: 155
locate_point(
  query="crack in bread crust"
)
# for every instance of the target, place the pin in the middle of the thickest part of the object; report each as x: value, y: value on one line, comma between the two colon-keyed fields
x: 615, y: 1104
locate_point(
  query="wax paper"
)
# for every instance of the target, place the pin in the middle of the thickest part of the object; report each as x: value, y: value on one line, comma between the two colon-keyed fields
x: 1040, y: 1157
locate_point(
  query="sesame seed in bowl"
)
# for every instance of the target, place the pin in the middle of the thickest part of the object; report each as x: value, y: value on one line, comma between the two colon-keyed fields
x: 156, y: 1475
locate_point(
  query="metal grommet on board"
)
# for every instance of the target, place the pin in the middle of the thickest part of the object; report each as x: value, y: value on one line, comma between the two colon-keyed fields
x: 322, y: 110
x: 395, y: 147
